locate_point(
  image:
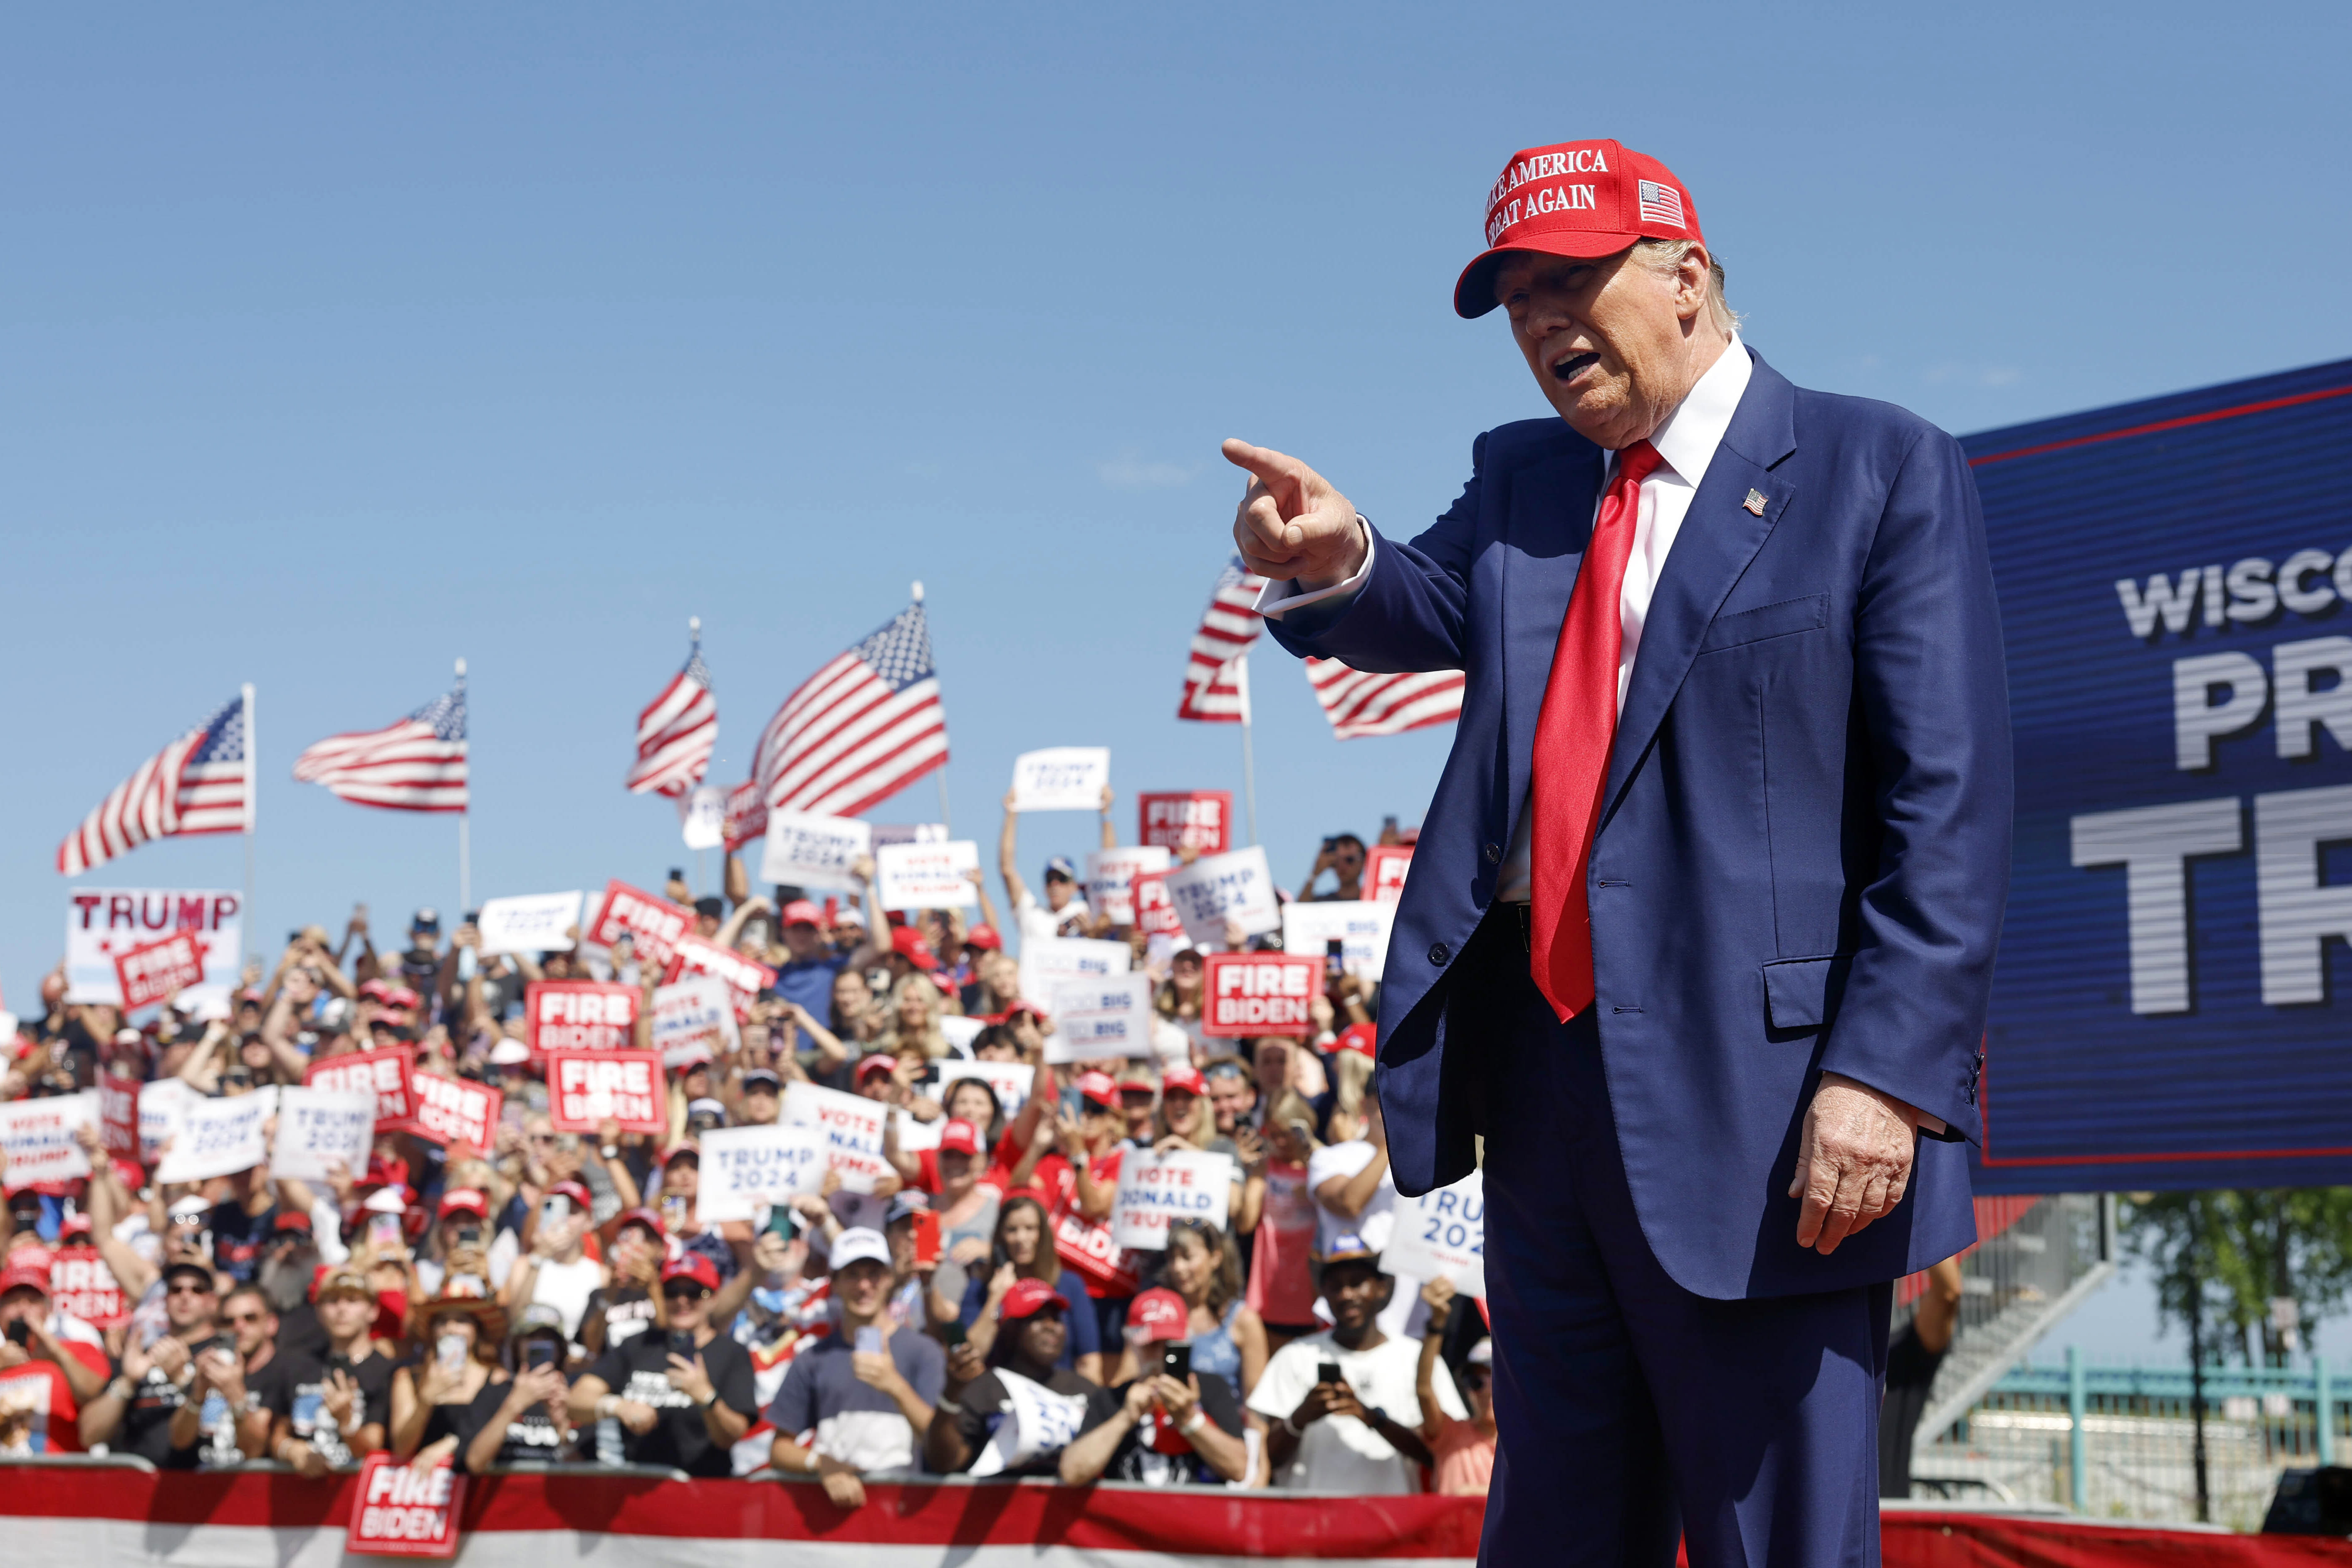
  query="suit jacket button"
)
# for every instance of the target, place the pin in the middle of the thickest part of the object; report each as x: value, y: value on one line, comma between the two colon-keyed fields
x: 1494, y: 854
x: 1438, y: 955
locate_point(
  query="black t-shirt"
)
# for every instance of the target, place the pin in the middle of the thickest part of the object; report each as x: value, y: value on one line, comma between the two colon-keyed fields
x: 146, y: 1428
x: 300, y: 1332
x: 238, y: 1238
x: 1155, y: 1453
x: 986, y: 1406
x: 638, y: 1369
x: 535, y: 1439
x: 294, y: 1385
x: 1910, y: 1373
x: 627, y: 1310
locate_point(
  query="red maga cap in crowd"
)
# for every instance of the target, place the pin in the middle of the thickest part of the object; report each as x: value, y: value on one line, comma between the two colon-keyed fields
x: 908, y: 944
x: 1027, y: 1297
x: 1182, y: 1078
x: 1575, y: 198
x: 960, y: 1137
x: 984, y: 937
x: 880, y: 1061
x: 1159, y: 1314
x: 463, y: 1200
x: 1100, y: 1088
x: 800, y: 912
x: 577, y: 1192
x: 691, y: 1265
x: 1361, y: 1038
x: 24, y: 1274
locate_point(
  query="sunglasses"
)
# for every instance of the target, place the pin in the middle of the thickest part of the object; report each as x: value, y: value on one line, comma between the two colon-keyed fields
x: 244, y: 1317
x: 186, y: 1288
x: 685, y: 1293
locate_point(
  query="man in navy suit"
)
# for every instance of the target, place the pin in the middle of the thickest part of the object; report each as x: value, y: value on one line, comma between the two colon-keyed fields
x: 1702, y: 918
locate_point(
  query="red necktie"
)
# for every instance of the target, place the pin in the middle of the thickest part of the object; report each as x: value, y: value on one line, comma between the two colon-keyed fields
x: 1573, y: 733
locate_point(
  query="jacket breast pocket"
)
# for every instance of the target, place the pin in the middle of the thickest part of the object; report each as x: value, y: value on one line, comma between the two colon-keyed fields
x: 1789, y: 616
x: 1802, y: 993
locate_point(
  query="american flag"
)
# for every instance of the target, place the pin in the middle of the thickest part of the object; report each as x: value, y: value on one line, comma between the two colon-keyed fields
x: 860, y: 729
x: 1360, y: 704
x: 1213, y: 692
x: 1662, y: 205
x: 198, y: 783
x: 677, y: 731
x: 417, y: 765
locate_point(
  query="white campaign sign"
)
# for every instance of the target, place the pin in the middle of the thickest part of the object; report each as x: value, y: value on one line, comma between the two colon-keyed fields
x: 317, y: 1127
x: 1111, y: 878
x: 1111, y: 1016
x: 104, y: 922
x: 158, y: 1115
x: 915, y: 1135
x: 1362, y: 929
x: 216, y: 1138
x: 1011, y: 1080
x: 744, y: 1167
x: 535, y: 922
x: 910, y: 833
x: 960, y: 1032
x: 926, y: 875
x: 702, y: 816
x: 1061, y: 778
x: 1444, y: 1232
x: 694, y: 1019
x: 803, y: 850
x: 1154, y: 1189
x: 1217, y: 888
x: 39, y: 1136
x: 1046, y: 962
x: 850, y: 1126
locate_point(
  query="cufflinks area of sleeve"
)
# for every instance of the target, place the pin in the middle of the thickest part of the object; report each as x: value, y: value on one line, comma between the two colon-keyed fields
x: 1278, y: 599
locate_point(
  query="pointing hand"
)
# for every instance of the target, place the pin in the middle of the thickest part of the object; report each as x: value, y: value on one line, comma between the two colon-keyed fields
x: 1292, y: 523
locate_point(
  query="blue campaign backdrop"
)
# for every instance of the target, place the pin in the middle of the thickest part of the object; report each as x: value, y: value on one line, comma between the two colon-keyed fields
x: 2171, y: 1008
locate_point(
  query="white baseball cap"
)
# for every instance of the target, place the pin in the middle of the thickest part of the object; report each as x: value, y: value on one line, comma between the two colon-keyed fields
x: 858, y: 1243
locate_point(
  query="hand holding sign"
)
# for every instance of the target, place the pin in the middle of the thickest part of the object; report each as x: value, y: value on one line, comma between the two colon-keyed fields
x: 1292, y: 523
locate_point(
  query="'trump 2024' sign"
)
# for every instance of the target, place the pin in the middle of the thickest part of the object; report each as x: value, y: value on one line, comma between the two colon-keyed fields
x: 2175, y: 587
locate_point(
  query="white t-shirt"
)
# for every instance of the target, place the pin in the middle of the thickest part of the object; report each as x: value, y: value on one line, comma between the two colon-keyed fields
x: 566, y: 1286
x: 1379, y: 1216
x: 1038, y: 923
x: 1340, y: 1453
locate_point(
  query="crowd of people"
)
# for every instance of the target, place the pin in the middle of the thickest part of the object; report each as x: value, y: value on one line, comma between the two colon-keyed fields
x: 556, y: 1298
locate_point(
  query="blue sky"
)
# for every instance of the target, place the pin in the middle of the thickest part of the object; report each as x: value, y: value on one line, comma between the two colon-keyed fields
x: 337, y: 344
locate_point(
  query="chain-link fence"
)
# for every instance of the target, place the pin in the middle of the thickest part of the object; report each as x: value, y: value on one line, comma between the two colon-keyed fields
x: 2120, y: 1441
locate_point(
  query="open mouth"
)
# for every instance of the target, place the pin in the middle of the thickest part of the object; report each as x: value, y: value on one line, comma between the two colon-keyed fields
x: 1564, y: 370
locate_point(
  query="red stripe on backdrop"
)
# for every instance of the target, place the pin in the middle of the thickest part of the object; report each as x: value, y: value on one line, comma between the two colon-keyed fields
x: 2182, y: 422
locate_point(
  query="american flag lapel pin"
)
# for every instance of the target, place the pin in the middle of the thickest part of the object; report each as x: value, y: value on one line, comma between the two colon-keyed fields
x: 1755, y: 503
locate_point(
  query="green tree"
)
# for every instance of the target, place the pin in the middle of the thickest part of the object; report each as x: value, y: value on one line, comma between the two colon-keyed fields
x: 2223, y: 1256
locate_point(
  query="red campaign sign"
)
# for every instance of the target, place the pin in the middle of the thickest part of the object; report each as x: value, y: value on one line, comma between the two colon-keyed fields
x: 401, y: 1512
x: 81, y: 1285
x: 1384, y: 869
x: 390, y: 1076
x: 1260, y: 993
x: 152, y: 970
x: 652, y: 924
x: 746, y: 815
x: 583, y: 1087
x: 744, y: 976
x: 1202, y: 818
x: 579, y: 1016
x: 452, y: 1110
x: 117, y: 1114
x: 1155, y: 911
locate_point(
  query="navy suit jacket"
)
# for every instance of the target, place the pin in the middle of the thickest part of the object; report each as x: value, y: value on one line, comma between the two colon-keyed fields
x: 1803, y: 848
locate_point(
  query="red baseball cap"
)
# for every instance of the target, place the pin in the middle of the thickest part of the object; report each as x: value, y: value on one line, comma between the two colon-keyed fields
x: 582, y: 1199
x: 1027, y: 1298
x: 984, y: 937
x: 908, y: 944
x: 800, y: 912
x: 31, y: 1276
x: 290, y: 1219
x: 1182, y: 1078
x: 1361, y: 1038
x: 960, y: 1137
x: 880, y: 1061
x: 463, y: 1200
x: 691, y: 1265
x: 1159, y: 1314
x: 1574, y: 198
x: 1100, y: 1088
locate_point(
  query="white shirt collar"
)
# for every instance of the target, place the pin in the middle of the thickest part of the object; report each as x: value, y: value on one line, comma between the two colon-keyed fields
x: 1688, y: 439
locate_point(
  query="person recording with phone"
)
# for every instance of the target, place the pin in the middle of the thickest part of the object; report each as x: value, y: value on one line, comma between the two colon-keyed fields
x: 682, y: 1392
x: 1172, y: 1425
x: 329, y: 1411
x: 1342, y: 855
x: 527, y: 1419
x: 431, y: 1401
x: 861, y: 1398
x: 555, y: 1270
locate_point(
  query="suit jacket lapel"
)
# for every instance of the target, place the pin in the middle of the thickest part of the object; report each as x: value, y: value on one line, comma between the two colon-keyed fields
x: 1719, y: 537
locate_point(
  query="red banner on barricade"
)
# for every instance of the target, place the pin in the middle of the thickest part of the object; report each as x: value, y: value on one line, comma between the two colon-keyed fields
x: 1202, y: 818
x: 579, y: 1016
x: 390, y: 1076
x: 745, y: 978
x: 1252, y: 994
x: 152, y: 970
x: 652, y: 924
x: 401, y: 1512
x: 585, y: 1087
x: 453, y: 1111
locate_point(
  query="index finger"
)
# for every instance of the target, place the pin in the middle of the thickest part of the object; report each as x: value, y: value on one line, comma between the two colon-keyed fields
x: 1280, y: 473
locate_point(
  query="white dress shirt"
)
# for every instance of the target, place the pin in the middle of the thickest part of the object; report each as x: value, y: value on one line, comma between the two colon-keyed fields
x: 1686, y: 442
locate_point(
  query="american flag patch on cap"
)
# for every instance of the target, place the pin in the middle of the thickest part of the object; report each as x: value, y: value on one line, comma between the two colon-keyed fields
x: 1662, y: 205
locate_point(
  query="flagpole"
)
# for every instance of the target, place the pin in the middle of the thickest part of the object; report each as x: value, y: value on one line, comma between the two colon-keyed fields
x: 465, y: 816
x: 252, y: 801
x: 1249, y: 766
x: 940, y: 772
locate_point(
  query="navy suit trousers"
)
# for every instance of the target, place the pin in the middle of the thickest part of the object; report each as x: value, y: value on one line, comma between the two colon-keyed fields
x: 1630, y: 1409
